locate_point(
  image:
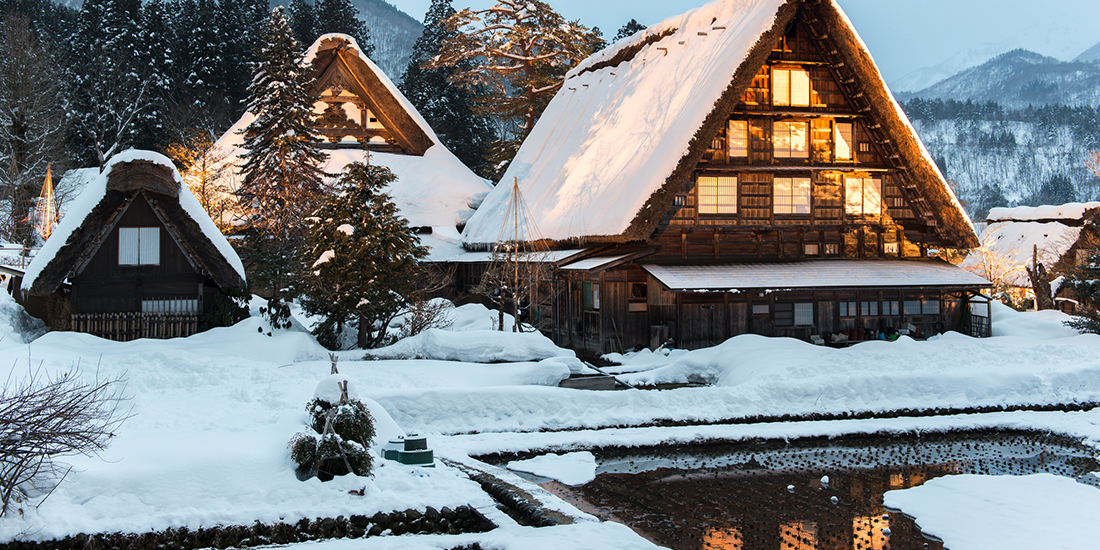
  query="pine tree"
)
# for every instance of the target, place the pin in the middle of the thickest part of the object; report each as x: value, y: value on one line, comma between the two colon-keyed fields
x: 342, y: 17
x: 239, y: 24
x: 628, y: 29
x: 518, y: 53
x: 111, y: 84
x: 1084, y: 282
x: 447, y: 108
x: 155, y: 36
x: 362, y: 256
x: 282, y: 166
x: 303, y: 19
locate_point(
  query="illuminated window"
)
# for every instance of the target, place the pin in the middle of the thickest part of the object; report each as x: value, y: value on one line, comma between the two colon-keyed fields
x: 792, y: 195
x: 791, y: 87
x: 717, y: 195
x: 811, y: 249
x: 844, y: 139
x: 138, y: 246
x: 863, y: 196
x: 791, y: 140
x: 832, y: 249
x: 739, y: 138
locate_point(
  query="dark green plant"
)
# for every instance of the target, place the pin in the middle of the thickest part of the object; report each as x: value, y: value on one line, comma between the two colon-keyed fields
x: 229, y: 307
x: 351, y: 421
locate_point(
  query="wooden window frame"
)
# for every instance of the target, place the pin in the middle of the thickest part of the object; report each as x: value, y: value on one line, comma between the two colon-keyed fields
x: 855, y: 195
x: 785, y: 86
x: 738, y: 139
x: 785, y: 128
x: 138, y: 246
x: 849, y: 143
x: 784, y: 188
x: 717, y: 195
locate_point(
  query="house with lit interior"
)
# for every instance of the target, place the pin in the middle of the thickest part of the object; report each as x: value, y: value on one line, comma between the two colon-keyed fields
x: 740, y: 168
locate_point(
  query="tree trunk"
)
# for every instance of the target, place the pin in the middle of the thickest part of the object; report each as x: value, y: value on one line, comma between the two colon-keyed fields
x: 1040, y: 283
x: 363, y: 335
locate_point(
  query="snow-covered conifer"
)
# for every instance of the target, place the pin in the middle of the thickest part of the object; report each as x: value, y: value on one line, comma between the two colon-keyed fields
x: 447, y: 108
x: 1084, y: 282
x: 303, y: 20
x: 361, y: 257
x: 282, y: 175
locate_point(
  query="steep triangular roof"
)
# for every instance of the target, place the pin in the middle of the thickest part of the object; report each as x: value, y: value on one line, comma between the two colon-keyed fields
x: 99, y: 207
x: 433, y: 188
x: 631, y: 123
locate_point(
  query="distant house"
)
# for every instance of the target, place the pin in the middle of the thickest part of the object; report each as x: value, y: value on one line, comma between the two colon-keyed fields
x: 135, y: 256
x: 365, y: 118
x: 1059, y: 237
x: 740, y: 168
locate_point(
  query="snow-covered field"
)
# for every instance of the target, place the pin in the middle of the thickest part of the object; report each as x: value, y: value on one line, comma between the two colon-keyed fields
x: 213, y: 413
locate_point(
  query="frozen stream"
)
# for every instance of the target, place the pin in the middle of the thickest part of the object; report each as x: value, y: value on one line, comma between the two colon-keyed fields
x: 816, y: 494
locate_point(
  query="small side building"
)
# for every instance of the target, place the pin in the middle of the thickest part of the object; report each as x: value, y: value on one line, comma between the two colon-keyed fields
x: 135, y: 256
x: 1059, y: 237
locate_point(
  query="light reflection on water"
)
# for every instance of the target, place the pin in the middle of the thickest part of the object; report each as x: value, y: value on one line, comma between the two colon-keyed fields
x: 770, y: 496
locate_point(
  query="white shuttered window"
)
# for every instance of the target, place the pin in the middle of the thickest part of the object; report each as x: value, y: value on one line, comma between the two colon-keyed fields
x: 739, y: 138
x: 844, y: 141
x: 138, y: 246
x: 791, y: 87
x: 863, y: 196
x: 791, y: 140
x: 717, y: 195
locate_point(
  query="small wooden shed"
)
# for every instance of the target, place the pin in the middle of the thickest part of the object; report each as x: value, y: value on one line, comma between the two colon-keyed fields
x: 136, y: 256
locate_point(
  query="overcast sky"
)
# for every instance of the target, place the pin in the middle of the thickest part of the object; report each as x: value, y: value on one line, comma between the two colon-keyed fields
x: 903, y: 35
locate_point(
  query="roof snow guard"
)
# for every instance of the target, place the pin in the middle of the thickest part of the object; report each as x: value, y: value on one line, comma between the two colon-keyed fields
x: 631, y: 123
x: 95, y: 212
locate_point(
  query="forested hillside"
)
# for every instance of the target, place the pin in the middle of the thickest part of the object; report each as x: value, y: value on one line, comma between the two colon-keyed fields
x: 999, y: 156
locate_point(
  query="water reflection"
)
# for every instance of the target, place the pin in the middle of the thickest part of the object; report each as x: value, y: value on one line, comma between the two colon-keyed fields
x: 752, y: 497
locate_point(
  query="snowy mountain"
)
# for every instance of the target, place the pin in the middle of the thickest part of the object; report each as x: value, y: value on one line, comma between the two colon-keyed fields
x: 1091, y: 55
x: 1020, y: 78
x: 927, y: 76
x: 393, y: 33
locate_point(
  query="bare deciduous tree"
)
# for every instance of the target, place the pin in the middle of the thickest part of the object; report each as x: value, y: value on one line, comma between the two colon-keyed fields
x: 32, y: 123
x: 46, y: 416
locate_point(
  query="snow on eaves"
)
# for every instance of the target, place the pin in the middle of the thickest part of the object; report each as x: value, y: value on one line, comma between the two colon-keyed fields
x: 613, y: 134
x: 1068, y: 211
x: 94, y: 192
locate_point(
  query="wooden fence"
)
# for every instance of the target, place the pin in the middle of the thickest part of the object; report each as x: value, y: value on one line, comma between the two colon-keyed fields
x: 123, y: 327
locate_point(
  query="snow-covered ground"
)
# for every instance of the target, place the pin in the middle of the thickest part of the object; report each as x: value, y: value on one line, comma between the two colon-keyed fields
x: 213, y: 414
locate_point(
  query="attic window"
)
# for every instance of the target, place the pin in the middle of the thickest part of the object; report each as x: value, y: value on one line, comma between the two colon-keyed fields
x: 791, y: 87
x: 739, y: 138
x: 844, y: 139
x: 139, y: 246
x: 863, y: 196
x: 717, y: 195
x: 791, y: 140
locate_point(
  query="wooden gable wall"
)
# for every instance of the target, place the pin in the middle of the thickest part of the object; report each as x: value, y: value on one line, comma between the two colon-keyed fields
x: 106, y: 287
x: 758, y: 229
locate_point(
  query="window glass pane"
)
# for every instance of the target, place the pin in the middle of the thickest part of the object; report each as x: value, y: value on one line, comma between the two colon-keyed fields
x: 800, y: 195
x: 739, y: 138
x: 843, y: 139
x: 853, y: 196
x: 847, y: 309
x: 781, y: 87
x: 800, y: 88
x: 800, y: 140
x: 784, y: 315
x: 760, y: 309
x: 781, y: 139
x: 930, y: 307
x: 890, y: 307
x: 128, y: 246
x: 811, y: 250
x: 595, y: 295
x: 717, y: 195
x: 912, y: 307
x: 803, y: 314
x: 781, y: 189
x: 149, y: 245
x: 868, y: 308
x: 872, y: 196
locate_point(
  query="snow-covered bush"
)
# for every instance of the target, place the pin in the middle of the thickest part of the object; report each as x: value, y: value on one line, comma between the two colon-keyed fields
x: 342, y: 429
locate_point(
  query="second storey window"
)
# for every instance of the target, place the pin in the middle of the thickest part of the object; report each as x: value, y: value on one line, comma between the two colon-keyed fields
x: 791, y: 140
x: 792, y: 195
x: 739, y: 138
x: 862, y: 196
x: 717, y: 195
x: 844, y: 139
x: 138, y: 246
x: 791, y: 87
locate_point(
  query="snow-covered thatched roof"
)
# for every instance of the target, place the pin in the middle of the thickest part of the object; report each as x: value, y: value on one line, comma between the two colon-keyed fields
x: 89, y: 218
x: 630, y: 124
x: 433, y: 188
x: 1017, y: 236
